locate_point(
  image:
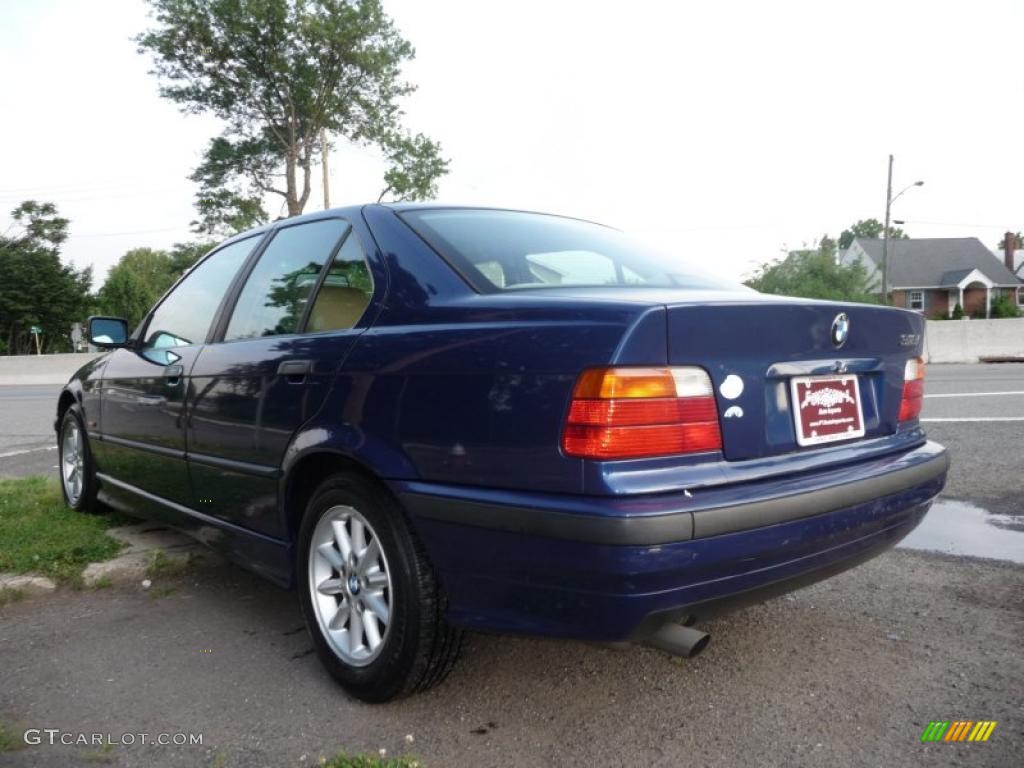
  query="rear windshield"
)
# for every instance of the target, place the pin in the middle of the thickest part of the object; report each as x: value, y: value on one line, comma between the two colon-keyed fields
x: 509, y: 250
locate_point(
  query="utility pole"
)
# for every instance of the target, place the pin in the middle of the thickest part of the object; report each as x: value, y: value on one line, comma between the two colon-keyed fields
x: 885, y: 238
x: 323, y: 162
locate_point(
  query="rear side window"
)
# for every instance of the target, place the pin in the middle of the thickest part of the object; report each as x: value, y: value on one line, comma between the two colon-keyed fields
x: 345, y: 292
x: 184, y: 317
x: 506, y: 250
x: 276, y: 293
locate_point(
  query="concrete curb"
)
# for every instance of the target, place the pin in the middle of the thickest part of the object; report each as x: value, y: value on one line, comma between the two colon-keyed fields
x: 151, y: 551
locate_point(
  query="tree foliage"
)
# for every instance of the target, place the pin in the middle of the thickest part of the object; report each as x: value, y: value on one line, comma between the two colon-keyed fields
x: 870, y: 228
x: 36, y: 288
x: 814, y: 273
x: 143, y: 275
x: 414, y: 166
x: 276, y: 72
x: 1016, y: 241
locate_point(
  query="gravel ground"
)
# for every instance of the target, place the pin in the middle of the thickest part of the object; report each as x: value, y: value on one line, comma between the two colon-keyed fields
x: 848, y: 673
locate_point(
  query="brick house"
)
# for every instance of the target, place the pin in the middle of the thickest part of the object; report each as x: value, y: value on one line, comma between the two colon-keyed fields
x: 933, y: 275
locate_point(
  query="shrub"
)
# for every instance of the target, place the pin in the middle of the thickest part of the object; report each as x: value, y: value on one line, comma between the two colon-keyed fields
x: 958, y: 312
x: 1004, y: 306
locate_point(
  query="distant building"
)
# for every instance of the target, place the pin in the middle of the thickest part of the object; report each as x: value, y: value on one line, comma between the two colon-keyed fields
x: 933, y: 275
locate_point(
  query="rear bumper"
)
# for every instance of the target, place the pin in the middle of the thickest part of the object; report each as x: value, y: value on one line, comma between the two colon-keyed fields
x: 604, y: 568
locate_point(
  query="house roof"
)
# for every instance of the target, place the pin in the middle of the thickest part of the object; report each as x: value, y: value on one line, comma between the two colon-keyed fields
x: 936, y: 261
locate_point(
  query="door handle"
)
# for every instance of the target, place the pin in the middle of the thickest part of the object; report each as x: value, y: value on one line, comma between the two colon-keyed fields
x: 151, y: 400
x: 172, y: 373
x: 295, y: 370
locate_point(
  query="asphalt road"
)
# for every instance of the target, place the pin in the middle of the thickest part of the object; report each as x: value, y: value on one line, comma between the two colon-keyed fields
x: 848, y: 672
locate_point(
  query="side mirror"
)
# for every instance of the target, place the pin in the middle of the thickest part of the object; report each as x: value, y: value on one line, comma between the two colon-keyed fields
x: 108, y: 332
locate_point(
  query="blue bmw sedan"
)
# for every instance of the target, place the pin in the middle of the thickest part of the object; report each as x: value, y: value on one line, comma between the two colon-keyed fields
x: 430, y: 419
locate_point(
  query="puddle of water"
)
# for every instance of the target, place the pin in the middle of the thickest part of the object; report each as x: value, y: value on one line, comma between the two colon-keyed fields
x: 959, y: 528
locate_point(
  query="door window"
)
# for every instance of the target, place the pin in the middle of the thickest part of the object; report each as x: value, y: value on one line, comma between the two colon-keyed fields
x: 184, y: 317
x: 275, y: 295
x: 346, y: 290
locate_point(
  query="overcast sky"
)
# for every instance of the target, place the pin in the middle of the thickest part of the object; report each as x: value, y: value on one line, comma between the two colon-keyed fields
x: 726, y: 130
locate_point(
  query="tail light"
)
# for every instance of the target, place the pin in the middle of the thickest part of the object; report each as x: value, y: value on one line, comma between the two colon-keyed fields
x: 913, y: 389
x: 628, y: 413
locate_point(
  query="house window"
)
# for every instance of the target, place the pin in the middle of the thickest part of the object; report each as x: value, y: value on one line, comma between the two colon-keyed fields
x: 1020, y: 297
x: 916, y: 300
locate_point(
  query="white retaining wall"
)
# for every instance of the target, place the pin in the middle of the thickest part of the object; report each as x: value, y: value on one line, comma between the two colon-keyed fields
x: 965, y: 341
x: 41, y: 369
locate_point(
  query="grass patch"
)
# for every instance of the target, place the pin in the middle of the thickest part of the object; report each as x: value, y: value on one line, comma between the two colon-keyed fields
x: 162, y: 565
x: 38, y: 534
x: 157, y: 592
x: 372, y: 761
x: 104, y: 754
x: 10, y: 596
x: 10, y: 737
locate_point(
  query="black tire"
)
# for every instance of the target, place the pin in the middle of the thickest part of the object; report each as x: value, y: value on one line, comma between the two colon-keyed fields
x: 419, y: 648
x: 86, y: 501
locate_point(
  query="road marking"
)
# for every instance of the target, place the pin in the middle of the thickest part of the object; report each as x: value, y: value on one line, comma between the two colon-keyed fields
x: 27, y: 450
x: 977, y: 394
x: 979, y: 418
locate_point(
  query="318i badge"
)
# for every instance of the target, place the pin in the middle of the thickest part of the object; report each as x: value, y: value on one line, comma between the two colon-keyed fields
x: 826, y: 409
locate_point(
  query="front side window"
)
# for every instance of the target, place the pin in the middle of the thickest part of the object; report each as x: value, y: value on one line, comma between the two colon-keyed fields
x: 275, y: 295
x: 916, y: 300
x: 184, y: 317
x: 508, y: 250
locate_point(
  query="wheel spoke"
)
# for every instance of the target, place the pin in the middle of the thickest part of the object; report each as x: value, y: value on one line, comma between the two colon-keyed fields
x: 358, y: 536
x: 330, y: 587
x: 342, y: 539
x: 355, y: 627
x: 379, y: 608
x: 369, y: 558
x: 340, y: 617
x: 330, y: 554
x: 372, y: 633
x: 376, y: 579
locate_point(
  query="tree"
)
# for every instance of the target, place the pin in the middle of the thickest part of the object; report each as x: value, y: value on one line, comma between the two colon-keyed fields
x: 139, y: 278
x: 36, y: 288
x: 814, y: 274
x: 415, y: 165
x: 1016, y: 241
x: 869, y: 228
x: 277, y: 72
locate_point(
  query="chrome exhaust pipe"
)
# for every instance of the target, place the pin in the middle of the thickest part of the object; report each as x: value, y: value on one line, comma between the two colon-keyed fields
x: 678, y: 640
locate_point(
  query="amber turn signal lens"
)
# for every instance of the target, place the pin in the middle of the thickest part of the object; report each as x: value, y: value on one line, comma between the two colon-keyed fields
x: 627, y: 413
x: 913, y: 389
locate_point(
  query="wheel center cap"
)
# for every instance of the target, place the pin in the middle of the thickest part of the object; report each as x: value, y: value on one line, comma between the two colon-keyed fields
x: 353, y: 584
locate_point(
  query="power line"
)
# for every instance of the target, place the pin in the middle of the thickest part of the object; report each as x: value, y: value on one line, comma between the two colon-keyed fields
x: 135, y: 232
x: 952, y: 224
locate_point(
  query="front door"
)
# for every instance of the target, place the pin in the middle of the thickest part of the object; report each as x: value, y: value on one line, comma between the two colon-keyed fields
x: 280, y: 349
x: 145, y: 388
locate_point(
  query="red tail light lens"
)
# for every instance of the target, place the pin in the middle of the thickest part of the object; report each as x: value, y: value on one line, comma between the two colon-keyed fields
x: 913, y: 389
x: 629, y: 413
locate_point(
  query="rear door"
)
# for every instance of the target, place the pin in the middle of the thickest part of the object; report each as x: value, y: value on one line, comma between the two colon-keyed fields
x: 144, y: 389
x: 293, y: 322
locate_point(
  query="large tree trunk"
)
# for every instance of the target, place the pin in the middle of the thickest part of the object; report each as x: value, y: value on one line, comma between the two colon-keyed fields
x: 294, y: 206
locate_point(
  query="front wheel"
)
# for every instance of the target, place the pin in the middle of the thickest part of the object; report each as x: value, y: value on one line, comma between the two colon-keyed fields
x: 77, y: 473
x: 368, y: 594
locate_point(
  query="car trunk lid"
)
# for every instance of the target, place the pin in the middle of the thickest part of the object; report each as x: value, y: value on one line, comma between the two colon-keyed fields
x: 754, y: 346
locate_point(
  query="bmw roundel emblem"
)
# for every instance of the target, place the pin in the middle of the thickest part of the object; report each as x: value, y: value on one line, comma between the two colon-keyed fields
x: 840, y: 330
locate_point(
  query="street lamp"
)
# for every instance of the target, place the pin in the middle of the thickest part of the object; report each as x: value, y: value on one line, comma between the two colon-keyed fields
x: 889, y: 200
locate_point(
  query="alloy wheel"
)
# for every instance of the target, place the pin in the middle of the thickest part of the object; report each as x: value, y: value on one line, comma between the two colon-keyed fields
x: 72, y: 462
x: 350, y: 584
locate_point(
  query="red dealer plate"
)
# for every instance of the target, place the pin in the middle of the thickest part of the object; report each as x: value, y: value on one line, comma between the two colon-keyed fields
x: 826, y: 409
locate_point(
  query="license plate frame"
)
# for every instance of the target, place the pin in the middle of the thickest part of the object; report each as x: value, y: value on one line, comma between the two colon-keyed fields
x: 831, y: 404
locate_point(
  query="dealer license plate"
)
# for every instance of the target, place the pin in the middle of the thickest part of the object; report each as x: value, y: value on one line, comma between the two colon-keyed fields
x: 826, y: 409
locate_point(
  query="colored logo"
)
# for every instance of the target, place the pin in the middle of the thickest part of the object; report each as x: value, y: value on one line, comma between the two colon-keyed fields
x: 958, y: 730
x: 840, y: 330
